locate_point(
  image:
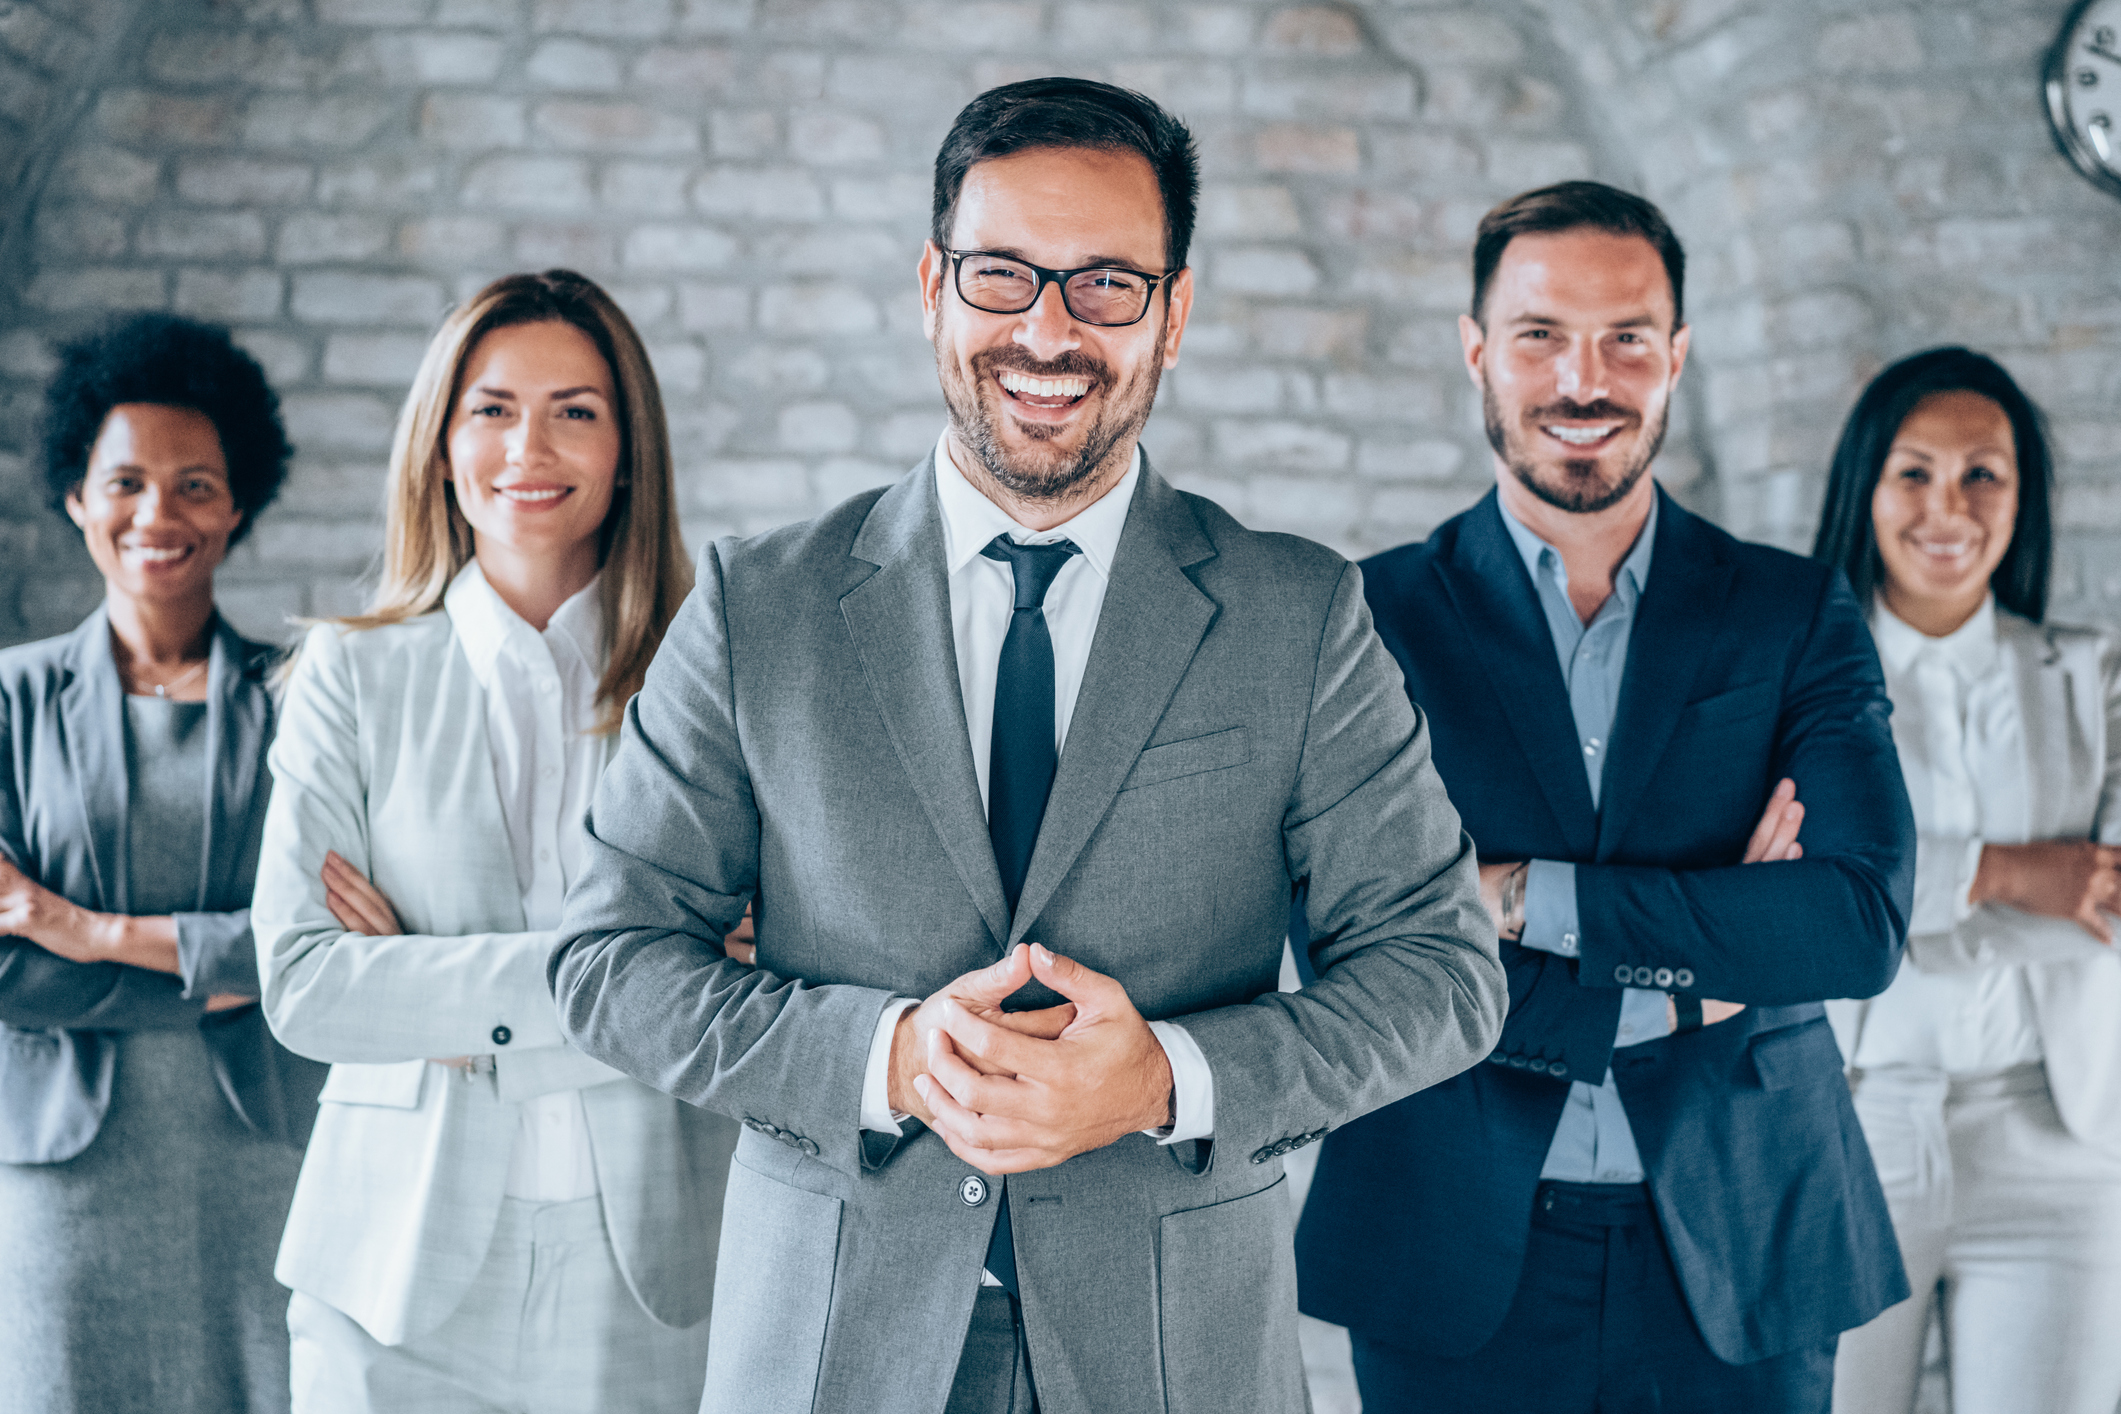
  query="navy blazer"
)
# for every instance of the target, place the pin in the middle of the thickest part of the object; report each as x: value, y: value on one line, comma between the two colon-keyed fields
x: 1746, y: 664
x: 62, y: 822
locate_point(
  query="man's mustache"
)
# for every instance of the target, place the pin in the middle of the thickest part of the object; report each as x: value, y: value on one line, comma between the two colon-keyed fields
x: 1600, y: 410
x: 1072, y: 364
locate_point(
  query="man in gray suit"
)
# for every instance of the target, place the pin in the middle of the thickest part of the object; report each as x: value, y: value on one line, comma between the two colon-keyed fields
x: 1017, y: 761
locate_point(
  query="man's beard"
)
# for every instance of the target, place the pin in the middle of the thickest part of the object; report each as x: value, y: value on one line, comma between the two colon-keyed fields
x: 1582, y: 491
x: 1044, y: 472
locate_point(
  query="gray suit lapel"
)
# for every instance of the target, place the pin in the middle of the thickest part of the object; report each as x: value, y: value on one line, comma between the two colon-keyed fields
x: 899, y: 618
x: 1153, y: 619
x: 92, y: 715
x: 238, y: 719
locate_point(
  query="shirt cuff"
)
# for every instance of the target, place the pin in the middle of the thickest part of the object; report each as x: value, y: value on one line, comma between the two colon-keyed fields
x: 1192, y: 1086
x: 1550, y: 909
x: 1944, y: 882
x: 1644, y: 1016
x: 877, y: 1113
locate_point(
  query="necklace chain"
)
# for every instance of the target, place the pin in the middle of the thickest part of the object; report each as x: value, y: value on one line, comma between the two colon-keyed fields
x: 162, y: 688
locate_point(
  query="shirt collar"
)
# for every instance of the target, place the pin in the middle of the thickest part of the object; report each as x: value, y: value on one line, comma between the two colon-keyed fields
x: 487, y: 627
x: 1969, y: 650
x: 1542, y: 558
x: 971, y: 521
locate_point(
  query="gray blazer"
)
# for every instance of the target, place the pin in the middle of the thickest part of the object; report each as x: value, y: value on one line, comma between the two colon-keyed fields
x: 801, y: 740
x: 62, y: 822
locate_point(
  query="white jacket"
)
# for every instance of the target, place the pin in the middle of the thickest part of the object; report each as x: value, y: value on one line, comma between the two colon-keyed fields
x: 382, y: 755
x: 2069, y: 685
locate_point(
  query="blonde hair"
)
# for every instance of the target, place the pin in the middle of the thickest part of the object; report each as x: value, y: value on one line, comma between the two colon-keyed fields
x: 427, y: 540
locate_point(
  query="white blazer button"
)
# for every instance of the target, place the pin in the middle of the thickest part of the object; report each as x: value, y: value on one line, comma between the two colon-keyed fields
x: 1664, y: 976
x: 972, y: 1190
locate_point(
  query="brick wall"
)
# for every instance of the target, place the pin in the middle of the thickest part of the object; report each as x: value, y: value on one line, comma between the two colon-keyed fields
x: 750, y: 177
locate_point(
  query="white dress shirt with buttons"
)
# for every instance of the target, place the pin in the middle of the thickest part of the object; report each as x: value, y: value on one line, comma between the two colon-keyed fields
x: 982, y: 601
x: 1958, y: 724
x: 540, y: 705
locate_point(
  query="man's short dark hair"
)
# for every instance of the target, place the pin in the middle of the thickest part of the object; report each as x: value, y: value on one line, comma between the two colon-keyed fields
x: 1570, y: 206
x: 1065, y: 112
x: 172, y: 362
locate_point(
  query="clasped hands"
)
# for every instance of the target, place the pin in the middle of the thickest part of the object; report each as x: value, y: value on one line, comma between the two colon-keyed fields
x: 1014, y: 1091
x: 1774, y: 840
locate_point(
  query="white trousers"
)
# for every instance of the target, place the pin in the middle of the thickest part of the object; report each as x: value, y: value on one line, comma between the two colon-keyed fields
x: 2009, y: 1221
x: 548, y: 1327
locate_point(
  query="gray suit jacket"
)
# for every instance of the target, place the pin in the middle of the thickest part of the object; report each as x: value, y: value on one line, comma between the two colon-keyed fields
x: 801, y: 740
x: 62, y: 822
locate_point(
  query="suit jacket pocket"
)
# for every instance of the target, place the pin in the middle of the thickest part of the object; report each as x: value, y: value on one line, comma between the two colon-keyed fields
x: 1191, y: 757
x: 772, y: 1293
x: 395, y: 1086
x: 1227, y: 1298
x: 1735, y: 704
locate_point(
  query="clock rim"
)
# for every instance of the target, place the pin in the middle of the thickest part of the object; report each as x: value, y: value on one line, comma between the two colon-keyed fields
x: 2055, y: 81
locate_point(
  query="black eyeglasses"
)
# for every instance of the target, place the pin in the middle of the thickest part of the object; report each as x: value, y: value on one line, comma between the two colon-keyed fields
x: 1109, y: 295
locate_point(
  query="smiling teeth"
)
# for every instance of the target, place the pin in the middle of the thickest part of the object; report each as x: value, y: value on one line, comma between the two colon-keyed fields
x: 535, y: 495
x: 1580, y: 436
x: 1044, y: 387
x: 156, y: 555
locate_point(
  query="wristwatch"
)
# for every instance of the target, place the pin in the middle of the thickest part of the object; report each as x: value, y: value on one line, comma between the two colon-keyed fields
x: 1511, y: 892
x: 1686, y: 1011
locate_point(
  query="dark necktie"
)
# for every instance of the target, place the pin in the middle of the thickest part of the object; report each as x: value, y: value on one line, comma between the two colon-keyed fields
x: 1020, y: 764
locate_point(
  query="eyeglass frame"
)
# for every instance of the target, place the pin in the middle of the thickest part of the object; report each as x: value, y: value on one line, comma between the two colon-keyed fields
x: 1054, y: 277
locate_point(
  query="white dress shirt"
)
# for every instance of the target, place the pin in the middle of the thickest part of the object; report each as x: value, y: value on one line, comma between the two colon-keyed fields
x: 540, y: 706
x: 1961, y: 734
x: 982, y: 601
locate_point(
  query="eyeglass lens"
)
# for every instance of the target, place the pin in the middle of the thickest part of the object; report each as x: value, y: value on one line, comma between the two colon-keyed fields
x: 1002, y: 286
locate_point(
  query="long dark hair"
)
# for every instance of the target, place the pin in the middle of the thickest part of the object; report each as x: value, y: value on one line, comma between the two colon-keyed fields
x: 1846, y: 537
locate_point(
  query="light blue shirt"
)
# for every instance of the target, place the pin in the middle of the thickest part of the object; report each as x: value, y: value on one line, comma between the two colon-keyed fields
x: 1593, y: 1143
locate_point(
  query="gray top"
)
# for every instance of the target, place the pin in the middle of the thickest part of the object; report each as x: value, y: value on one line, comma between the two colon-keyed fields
x: 165, y: 769
x: 1593, y: 1143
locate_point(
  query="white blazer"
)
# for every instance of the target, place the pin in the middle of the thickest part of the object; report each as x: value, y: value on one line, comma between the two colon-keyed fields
x: 382, y: 755
x: 2069, y: 686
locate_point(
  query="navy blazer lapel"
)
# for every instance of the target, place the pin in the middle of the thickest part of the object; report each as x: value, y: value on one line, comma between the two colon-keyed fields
x: 1675, y: 622
x: 899, y: 619
x: 238, y: 723
x: 1484, y: 577
x: 92, y: 717
x: 1153, y: 620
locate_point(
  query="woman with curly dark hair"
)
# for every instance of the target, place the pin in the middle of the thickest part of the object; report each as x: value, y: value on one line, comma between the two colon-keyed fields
x: 150, y: 1127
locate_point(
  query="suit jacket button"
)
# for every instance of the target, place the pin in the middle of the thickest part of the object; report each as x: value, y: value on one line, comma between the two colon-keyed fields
x: 502, y: 1035
x: 808, y: 1146
x: 1497, y: 1058
x: 1684, y: 977
x: 1517, y: 1062
x: 1623, y: 974
x: 1557, y: 1069
x: 1644, y: 976
x: 972, y: 1190
x: 1664, y: 977
x: 1536, y: 1066
x: 1260, y: 1156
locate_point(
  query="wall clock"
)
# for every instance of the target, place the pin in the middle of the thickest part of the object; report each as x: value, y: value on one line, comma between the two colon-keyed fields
x: 2084, y: 91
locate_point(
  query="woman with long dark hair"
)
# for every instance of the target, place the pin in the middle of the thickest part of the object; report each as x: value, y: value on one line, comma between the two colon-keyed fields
x: 150, y: 1129
x: 1988, y: 1076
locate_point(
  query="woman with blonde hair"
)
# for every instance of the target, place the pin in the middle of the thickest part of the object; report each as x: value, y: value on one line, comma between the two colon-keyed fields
x: 487, y: 1218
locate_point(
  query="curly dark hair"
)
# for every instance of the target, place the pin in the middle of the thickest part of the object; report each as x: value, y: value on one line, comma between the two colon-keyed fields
x: 160, y: 358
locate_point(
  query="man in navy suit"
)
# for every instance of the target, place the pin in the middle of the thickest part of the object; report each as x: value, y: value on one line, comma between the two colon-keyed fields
x: 1655, y: 1195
